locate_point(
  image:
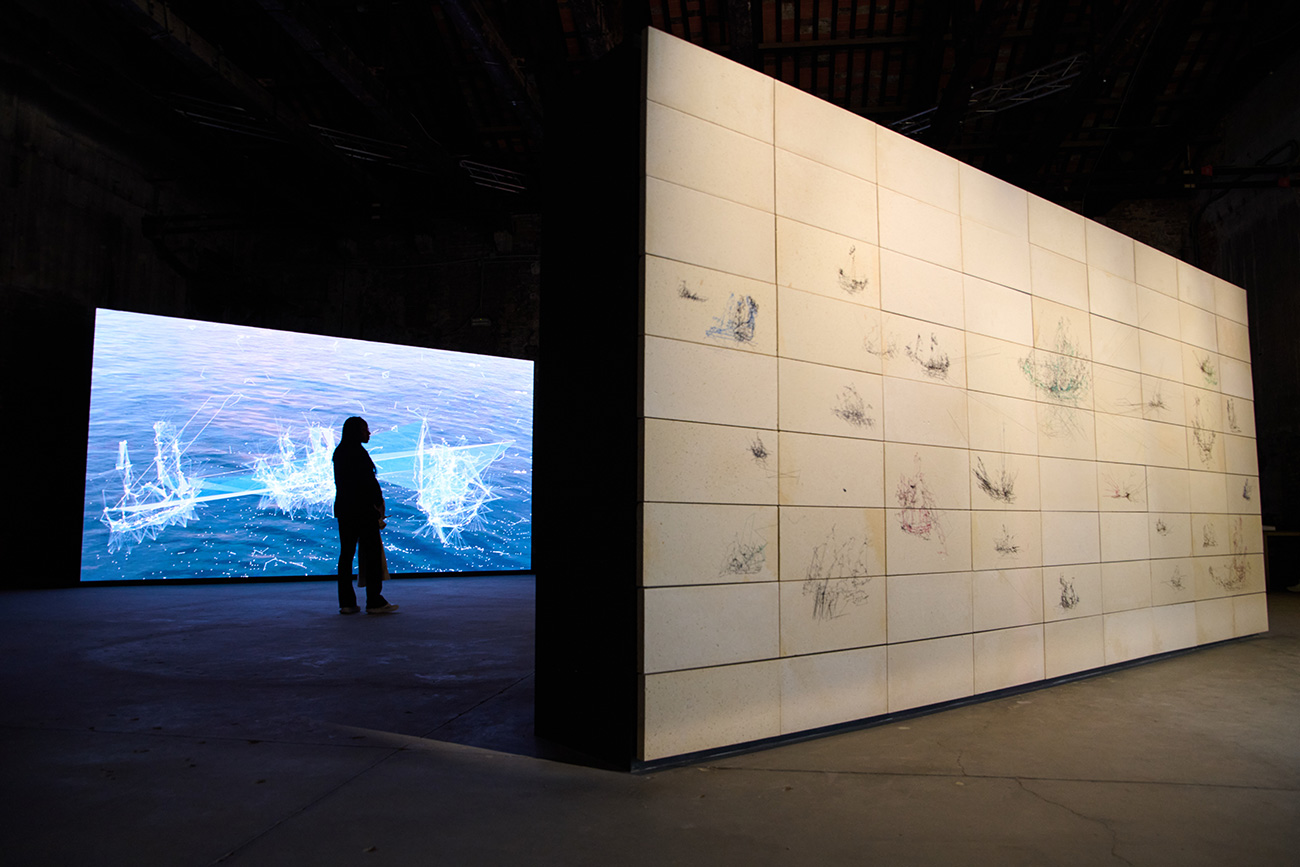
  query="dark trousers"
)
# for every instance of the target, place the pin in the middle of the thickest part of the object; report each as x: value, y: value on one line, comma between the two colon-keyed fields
x: 364, y: 534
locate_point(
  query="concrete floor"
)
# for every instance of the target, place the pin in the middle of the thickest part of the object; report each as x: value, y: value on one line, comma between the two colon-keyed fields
x: 252, y: 725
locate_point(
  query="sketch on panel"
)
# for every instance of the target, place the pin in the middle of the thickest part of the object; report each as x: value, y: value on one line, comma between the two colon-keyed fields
x: 917, y: 514
x: 1238, y: 569
x: 1201, y: 435
x: 1157, y: 402
x: 1177, y: 581
x: 747, y: 553
x: 1209, y: 538
x: 850, y: 282
x: 1162, y: 529
x: 932, y: 360
x: 683, y: 292
x: 758, y: 451
x: 1063, y: 376
x: 1246, y: 490
x: 739, y: 322
x: 1130, y: 488
x: 1232, y: 417
x: 999, y: 486
x: 1006, y: 545
x: 844, y: 562
x: 1208, y: 370
x: 853, y: 408
x: 1069, y: 597
x: 876, y: 345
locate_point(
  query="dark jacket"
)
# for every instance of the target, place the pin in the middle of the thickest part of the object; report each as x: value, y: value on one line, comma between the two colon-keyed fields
x: 356, y: 489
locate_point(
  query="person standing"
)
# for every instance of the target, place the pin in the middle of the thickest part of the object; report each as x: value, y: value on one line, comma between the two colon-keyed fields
x: 359, y: 509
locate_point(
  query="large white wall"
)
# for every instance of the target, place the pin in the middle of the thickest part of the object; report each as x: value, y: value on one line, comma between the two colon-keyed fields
x: 910, y: 433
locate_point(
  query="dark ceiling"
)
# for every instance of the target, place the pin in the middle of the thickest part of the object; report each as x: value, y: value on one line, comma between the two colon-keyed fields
x: 442, y: 103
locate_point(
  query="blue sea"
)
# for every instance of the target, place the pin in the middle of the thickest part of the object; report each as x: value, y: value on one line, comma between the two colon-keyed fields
x: 229, y: 397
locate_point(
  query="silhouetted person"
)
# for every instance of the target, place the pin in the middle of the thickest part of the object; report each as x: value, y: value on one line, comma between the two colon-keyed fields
x: 359, y: 508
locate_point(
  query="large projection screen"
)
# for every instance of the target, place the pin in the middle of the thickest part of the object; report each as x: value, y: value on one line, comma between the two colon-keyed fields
x: 910, y: 433
x: 209, y: 449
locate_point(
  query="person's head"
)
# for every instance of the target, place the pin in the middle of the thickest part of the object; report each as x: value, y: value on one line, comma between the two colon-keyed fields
x: 355, y: 430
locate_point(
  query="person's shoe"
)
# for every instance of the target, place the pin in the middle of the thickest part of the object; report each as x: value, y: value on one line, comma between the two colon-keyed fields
x: 382, y: 609
x: 349, y: 609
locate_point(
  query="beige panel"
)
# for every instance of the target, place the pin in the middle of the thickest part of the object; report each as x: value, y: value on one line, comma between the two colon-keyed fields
x: 919, y: 230
x: 1071, y: 592
x: 690, y: 382
x: 929, y: 606
x: 1236, y: 378
x: 1169, y: 534
x: 829, y: 331
x: 1252, y: 533
x: 699, y: 229
x: 1008, y: 657
x: 918, y: 412
x: 1070, y: 538
x: 1195, y: 287
x: 707, y: 85
x: 929, y: 672
x: 1167, y: 490
x: 918, y: 539
x: 1173, y: 627
x: 1058, y: 278
x: 995, y: 256
x: 920, y: 289
x: 1004, y: 481
x: 1116, y: 344
x: 683, y: 149
x: 687, y: 302
x: 1210, y: 535
x: 1249, y: 614
x: 1003, y: 424
x: 1009, y: 597
x: 1214, y: 620
x: 1112, y: 297
x: 1056, y: 228
x: 940, y: 474
x: 993, y: 202
x: 819, y: 543
x: 997, y: 311
x: 1120, y: 439
x: 1238, y: 416
x: 1164, y: 400
x: 1161, y: 356
x: 1158, y: 312
x: 1006, y: 540
x: 818, y: 195
x: 1116, y: 391
x: 832, y: 688
x: 1125, y: 585
x: 924, y: 351
x: 830, y: 471
x: 819, y: 615
x: 1208, y: 492
x: 1204, y: 408
x: 1122, y: 487
x: 1109, y: 250
x: 1233, y: 339
x: 1067, y: 486
x: 998, y: 367
x: 907, y: 166
x: 1061, y: 329
x: 1198, y: 327
x: 1072, y: 646
x: 1124, y: 536
x: 1065, y: 432
x: 1155, y: 270
x: 1173, y: 582
x: 1166, y: 445
x: 1129, y: 635
x: 823, y: 262
x: 687, y: 711
x: 687, y: 543
x: 1205, y: 449
x: 705, y: 463
x: 1230, y: 301
x: 694, y: 627
x: 818, y: 399
x: 818, y: 130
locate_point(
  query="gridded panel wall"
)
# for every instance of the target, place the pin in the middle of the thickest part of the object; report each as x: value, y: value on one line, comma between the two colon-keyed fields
x: 910, y: 433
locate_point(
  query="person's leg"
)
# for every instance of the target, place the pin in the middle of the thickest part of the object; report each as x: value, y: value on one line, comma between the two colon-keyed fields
x: 369, y: 558
x: 348, y: 548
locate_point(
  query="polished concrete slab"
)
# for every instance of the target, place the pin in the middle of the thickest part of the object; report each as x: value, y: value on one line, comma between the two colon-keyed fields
x: 253, y: 725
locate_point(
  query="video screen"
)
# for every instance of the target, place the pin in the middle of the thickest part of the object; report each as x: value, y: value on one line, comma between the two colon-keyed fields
x: 210, y: 445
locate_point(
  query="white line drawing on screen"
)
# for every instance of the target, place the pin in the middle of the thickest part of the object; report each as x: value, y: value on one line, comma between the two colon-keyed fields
x: 853, y: 408
x: 847, y: 562
x: 739, y: 322
x: 850, y: 282
x: 934, y: 363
